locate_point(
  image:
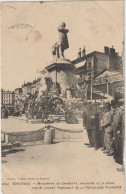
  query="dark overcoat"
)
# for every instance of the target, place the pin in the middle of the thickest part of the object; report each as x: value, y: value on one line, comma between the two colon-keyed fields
x: 91, y: 119
x: 63, y: 40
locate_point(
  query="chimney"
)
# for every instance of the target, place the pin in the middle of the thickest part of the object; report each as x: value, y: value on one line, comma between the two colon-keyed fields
x: 112, y: 51
x: 83, y: 52
x: 79, y: 53
x: 106, y: 50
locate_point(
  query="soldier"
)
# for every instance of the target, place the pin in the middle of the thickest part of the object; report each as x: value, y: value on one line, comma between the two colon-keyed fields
x: 108, y: 132
x: 91, y: 123
x: 118, y: 130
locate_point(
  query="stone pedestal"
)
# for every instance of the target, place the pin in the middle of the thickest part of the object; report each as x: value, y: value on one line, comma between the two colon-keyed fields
x: 62, y: 71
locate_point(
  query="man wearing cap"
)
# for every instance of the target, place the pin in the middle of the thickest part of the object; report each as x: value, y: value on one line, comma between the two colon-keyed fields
x: 106, y: 124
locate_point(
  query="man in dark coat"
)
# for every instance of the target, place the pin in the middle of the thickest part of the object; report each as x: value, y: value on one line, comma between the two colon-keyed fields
x: 63, y: 40
x: 119, y: 152
x: 118, y: 131
x: 91, y: 123
x: 101, y: 129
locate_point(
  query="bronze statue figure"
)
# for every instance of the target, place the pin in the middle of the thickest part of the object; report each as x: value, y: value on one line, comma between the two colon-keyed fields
x: 62, y: 44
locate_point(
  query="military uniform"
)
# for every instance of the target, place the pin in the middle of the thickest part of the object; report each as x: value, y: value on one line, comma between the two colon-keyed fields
x: 108, y: 132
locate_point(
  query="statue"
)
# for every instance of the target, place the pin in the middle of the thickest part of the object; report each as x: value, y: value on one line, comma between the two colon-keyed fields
x: 43, y: 85
x: 59, y: 47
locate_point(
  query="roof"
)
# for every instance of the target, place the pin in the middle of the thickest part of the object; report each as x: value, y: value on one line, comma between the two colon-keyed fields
x: 110, y: 72
x: 28, y: 83
x: 88, y: 55
x: 81, y: 64
x: 78, y: 60
x: 34, y: 81
x: 18, y: 89
x: 7, y: 91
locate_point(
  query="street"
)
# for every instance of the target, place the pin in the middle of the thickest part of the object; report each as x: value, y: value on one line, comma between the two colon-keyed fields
x: 65, y: 161
x: 62, y: 97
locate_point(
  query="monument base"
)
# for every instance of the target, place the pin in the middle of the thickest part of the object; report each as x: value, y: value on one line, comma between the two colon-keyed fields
x: 61, y: 61
x: 62, y: 71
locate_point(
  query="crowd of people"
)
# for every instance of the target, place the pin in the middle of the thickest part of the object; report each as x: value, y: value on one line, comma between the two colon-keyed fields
x: 105, y: 127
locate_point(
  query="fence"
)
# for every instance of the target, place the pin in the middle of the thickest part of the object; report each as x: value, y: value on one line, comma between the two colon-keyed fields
x: 30, y: 136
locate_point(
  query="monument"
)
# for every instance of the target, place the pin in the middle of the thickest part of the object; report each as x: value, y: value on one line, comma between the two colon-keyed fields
x: 60, y: 68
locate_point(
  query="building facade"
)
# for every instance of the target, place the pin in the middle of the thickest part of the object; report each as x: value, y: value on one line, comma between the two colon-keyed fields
x: 18, y: 96
x: 27, y: 88
x: 90, y: 65
x: 109, y: 83
x: 7, y: 98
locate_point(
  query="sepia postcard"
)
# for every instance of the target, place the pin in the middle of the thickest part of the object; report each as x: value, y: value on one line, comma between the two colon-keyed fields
x: 62, y: 97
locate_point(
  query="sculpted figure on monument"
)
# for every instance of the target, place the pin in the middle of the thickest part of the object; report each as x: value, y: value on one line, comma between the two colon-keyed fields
x: 62, y: 44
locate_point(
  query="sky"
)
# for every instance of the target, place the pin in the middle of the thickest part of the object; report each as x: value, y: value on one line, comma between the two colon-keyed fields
x: 26, y: 51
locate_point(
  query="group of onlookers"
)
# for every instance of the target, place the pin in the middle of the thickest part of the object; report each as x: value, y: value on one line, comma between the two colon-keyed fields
x: 4, y: 112
x: 105, y: 127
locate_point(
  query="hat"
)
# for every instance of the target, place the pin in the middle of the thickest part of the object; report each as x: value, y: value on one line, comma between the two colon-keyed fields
x: 114, y: 102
